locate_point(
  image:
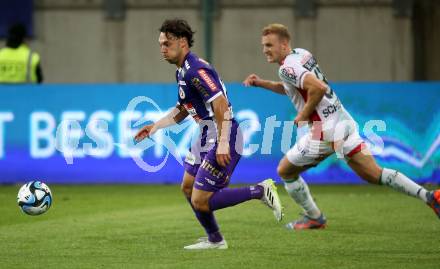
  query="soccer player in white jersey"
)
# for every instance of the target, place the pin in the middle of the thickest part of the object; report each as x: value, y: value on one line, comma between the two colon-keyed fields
x: 331, y: 129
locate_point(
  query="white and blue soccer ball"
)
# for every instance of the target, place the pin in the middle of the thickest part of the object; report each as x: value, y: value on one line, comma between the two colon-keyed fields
x: 34, y: 198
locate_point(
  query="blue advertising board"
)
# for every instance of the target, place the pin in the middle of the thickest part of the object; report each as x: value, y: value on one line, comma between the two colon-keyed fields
x: 80, y: 133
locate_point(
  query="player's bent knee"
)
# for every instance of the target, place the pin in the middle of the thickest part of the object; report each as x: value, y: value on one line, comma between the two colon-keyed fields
x: 285, y: 173
x: 200, y: 204
x: 187, y: 190
x: 280, y: 171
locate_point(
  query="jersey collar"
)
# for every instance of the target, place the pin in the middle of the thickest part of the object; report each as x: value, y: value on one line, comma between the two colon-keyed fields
x: 282, y: 62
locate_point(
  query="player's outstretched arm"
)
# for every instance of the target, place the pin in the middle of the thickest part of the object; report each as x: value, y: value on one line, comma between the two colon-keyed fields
x: 256, y: 81
x: 176, y: 115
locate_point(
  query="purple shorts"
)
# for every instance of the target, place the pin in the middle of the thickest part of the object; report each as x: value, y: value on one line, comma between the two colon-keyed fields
x: 201, y: 161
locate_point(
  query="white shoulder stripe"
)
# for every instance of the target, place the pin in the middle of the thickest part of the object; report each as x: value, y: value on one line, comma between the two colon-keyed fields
x: 214, y: 97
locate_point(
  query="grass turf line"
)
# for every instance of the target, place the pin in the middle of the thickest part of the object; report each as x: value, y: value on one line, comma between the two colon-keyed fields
x: 144, y: 226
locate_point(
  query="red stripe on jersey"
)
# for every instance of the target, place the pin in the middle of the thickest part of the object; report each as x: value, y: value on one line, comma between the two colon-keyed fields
x: 207, y: 79
x: 357, y: 149
x: 317, y: 130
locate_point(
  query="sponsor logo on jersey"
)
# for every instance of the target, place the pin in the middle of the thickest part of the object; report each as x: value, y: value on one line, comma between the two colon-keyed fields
x: 207, y: 79
x: 198, y: 85
x: 331, y: 109
x: 289, y: 73
x: 212, y: 170
x: 309, y: 62
x: 181, y: 93
x: 210, y: 181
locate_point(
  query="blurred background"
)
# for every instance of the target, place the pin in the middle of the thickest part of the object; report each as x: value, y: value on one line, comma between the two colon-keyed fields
x: 97, y: 55
x: 116, y: 40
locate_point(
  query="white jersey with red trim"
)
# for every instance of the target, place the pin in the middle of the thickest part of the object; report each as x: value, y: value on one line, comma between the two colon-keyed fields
x: 292, y: 73
x: 333, y: 127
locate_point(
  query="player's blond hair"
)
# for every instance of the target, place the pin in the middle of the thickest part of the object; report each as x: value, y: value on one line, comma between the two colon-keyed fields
x: 278, y: 29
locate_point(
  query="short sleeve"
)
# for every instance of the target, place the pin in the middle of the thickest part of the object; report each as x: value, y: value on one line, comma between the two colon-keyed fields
x: 293, y: 74
x: 206, y: 84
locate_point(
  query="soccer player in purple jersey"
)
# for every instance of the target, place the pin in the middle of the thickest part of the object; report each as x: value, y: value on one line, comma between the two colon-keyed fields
x: 330, y: 130
x: 212, y: 159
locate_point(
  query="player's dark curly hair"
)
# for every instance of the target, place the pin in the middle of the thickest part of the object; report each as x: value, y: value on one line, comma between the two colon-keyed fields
x: 179, y: 28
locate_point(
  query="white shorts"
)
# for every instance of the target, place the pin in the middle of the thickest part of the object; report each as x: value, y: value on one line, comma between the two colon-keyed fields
x: 309, y: 151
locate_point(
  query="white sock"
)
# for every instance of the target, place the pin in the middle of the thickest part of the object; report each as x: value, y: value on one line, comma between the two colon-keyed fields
x: 300, y: 192
x: 400, y: 182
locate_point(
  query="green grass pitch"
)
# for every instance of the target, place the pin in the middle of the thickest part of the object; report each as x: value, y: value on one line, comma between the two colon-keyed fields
x: 145, y: 226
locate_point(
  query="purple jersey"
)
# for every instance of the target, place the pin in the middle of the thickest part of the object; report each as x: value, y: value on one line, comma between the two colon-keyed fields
x: 198, y: 85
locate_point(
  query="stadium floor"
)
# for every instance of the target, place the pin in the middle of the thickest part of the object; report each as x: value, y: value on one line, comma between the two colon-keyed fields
x: 144, y: 226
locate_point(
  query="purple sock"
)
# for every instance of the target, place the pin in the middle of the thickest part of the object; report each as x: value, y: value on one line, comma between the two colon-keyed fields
x: 207, y: 220
x: 230, y: 197
x: 215, y: 237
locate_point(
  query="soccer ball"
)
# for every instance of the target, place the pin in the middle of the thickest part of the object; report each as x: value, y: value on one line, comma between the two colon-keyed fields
x: 34, y: 198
